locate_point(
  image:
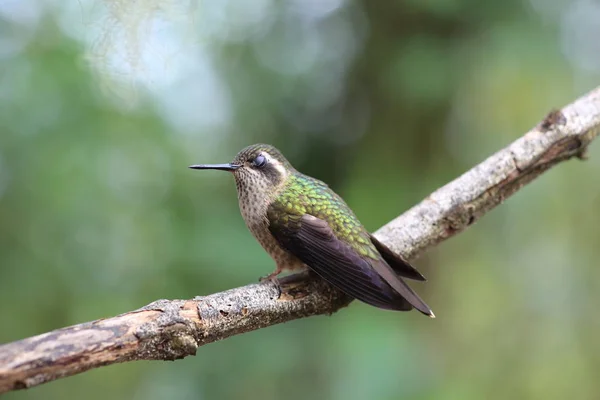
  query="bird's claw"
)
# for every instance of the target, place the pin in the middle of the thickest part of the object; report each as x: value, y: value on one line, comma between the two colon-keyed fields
x: 271, y: 277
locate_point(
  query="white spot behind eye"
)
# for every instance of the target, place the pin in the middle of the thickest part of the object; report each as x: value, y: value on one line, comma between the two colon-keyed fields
x: 278, y: 166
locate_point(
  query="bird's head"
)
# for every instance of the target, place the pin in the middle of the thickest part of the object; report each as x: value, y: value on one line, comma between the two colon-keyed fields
x: 259, y: 167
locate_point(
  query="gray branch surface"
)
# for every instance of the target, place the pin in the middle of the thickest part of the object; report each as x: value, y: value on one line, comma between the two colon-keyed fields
x: 173, y: 329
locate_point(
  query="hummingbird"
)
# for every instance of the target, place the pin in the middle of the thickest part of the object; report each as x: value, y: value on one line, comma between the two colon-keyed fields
x: 301, y: 222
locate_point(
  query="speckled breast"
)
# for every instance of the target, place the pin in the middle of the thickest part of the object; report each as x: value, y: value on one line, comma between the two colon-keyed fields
x: 257, y: 223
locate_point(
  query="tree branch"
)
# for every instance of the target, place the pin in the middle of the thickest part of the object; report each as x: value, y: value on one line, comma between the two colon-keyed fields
x: 173, y: 329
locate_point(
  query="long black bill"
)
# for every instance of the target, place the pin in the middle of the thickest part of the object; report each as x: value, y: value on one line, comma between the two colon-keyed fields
x: 223, y: 167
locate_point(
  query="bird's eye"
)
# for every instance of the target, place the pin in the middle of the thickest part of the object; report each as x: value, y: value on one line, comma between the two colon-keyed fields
x: 260, y: 161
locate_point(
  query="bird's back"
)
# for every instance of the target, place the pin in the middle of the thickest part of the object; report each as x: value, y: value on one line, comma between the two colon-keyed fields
x: 303, y: 194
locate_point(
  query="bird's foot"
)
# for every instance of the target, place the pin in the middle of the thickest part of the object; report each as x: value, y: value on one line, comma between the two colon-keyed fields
x: 271, y: 277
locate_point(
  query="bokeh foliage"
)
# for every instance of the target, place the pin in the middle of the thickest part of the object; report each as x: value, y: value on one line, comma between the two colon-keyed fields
x: 386, y: 101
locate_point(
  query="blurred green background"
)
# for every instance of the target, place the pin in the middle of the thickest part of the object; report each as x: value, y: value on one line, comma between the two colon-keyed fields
x: 104, y: 104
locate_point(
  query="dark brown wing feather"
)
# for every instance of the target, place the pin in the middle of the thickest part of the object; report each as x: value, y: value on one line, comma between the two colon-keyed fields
x: 372, y: 281
x: 398, y: 264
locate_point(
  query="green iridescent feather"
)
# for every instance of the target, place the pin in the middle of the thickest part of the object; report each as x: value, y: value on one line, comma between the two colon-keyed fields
x: 305, y: 195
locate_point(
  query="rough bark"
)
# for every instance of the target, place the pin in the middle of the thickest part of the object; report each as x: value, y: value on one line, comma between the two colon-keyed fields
x: 173, y: 329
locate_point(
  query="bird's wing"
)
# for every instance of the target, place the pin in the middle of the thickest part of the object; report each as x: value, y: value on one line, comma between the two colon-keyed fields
x: 370, y: 280
x: 398, y: 264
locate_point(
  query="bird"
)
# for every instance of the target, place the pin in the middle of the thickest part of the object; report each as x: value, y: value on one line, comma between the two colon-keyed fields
x: 301, y: 223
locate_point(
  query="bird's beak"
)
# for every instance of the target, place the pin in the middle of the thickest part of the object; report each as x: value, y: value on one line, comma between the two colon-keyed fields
x: 223, y: 167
